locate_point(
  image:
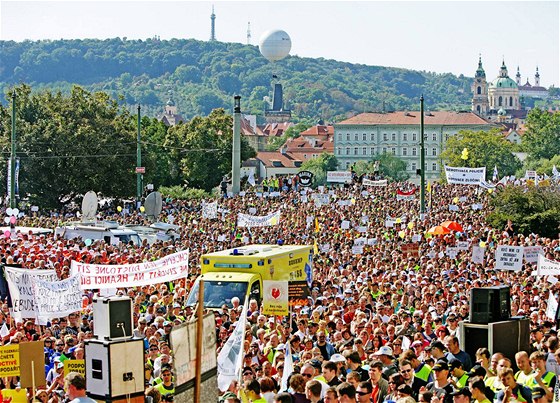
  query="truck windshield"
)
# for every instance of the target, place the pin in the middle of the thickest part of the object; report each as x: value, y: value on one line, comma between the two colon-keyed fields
x: 126, y: 238
x: 218, y: 293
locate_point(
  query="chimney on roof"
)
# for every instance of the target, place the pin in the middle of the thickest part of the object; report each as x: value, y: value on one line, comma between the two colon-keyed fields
x: 283, y: 149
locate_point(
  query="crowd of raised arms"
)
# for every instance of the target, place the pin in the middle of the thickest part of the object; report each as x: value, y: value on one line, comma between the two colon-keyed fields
x: 380, y: 325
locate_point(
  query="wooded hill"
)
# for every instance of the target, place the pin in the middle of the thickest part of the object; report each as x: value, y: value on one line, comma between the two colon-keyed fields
x: 205, y: 75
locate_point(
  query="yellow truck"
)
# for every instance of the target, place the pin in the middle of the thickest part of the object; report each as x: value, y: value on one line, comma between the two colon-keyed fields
x: 240, y: 272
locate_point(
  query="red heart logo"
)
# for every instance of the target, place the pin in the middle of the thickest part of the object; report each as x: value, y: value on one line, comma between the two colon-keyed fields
x: 275, y: 292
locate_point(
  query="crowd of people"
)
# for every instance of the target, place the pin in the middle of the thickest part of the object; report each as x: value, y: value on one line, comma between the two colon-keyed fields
x: 382, y: 321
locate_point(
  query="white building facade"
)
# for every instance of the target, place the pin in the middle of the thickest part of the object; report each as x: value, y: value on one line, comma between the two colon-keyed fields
x: 366, y: 135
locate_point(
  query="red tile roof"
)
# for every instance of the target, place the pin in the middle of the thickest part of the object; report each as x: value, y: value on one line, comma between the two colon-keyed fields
x: 413, y: 118
x: 319, y: 130
x: 287, y: 160
x: 274, y: 129
x: 302, y: 144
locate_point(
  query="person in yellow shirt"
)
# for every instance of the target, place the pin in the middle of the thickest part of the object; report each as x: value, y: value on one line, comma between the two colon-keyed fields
x: 525, y: 374
x: 253, y: 392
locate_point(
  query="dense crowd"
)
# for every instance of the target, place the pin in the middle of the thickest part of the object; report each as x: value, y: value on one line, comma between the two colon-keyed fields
x: 380, y: 324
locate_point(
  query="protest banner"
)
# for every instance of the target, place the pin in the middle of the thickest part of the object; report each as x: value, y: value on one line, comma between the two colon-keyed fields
x: 410, y: 248
x: 275, y: 297
x: 320, y: 199
x: 369, y: 182
x: 547, y: 267
x: 357, y: 250
x: 21, y: 290
x: 462, y: 245
x: 345, y: 224
x: 9, y: 360
x: 168, y: 268
x: 464, y: 176
x: 14, y: 395
x: 531, y: 253
x: 249, y: 221
x: 478, y: 255
x: 509, y: 257
x: 339, y: 176
x: 57, y: 298
x: 210, y: 210
x: 298, y: 293
x: 452, y: 252
x: 32, y: 375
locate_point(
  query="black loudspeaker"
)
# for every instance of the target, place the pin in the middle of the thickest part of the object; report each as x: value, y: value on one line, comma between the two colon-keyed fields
x: 489, y: 304
x: 114, y: 368
x: 506, y: 337
x: 112, y: 318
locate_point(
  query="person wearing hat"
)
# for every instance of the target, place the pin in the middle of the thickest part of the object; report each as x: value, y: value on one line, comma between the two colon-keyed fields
x: 540, y: 395
x: 460, y: 376
x: 463, y: 395
x: 441, y: 387
x: 166, y: 387
x: 385, y: 355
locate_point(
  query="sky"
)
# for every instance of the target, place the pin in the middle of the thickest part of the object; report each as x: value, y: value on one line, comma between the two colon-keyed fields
x: 437, y: 36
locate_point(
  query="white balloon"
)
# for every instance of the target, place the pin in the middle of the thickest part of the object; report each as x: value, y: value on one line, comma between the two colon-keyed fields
x: 7, y: 220
x: 9, y: 211
x: 15, y: 212
x: 275, y: 45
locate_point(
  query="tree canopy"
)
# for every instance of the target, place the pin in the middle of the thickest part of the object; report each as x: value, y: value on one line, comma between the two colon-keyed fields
x: 319, y: 166
x: 542, y: 138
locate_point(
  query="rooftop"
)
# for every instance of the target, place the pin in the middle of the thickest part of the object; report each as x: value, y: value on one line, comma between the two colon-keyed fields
x: 441, y: 118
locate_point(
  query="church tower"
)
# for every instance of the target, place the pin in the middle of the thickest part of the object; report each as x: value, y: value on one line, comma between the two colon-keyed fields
x: 518, y: 77
x: 480, y: 91
x: 537, y: 78
x: 213, y: 26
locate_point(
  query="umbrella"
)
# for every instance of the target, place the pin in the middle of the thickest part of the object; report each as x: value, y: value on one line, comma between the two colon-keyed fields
x: 439, y: 230
x: 452, y: 225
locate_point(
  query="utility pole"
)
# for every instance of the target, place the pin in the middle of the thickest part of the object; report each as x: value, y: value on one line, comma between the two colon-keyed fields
x: 236, y: 149
x: 13, y: 155
x: 138, y: 164
x: 422, y: 159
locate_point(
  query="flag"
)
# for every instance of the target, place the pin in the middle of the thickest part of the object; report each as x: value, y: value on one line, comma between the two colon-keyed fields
x: 251, y: 179
x: 429, y: 187
x: 555, y: 171
x: 63, y: 357
x: 315, y: 247
x: 230, y: 358
x: 317, y: 226
x: 4, y: 331
x: 288, y: 368
x: 495, y: 174
x: 551, y: 306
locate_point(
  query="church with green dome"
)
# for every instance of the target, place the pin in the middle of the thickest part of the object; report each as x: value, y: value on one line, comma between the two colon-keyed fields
x: 501, y: 94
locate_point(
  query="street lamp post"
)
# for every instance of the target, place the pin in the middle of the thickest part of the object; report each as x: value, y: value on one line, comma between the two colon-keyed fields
x: 138, y: 163
x: 236, y: 149
x: 13, y: 155
x: 422, y: 159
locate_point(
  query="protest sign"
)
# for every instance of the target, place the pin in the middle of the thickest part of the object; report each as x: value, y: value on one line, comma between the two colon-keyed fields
x: 452, y: 252
x: 298, y: 293
x: 410, y: 248
x: 357, y: 249
x: 360, y: 241
x: 210, y: 210
x: 275, y: 297
x: 531, y: 253
x: 14, y: 395
x: 547, y: 267
x: 32, y: 375
x: 320, y: 199
x: 462, y: 245
x: 362, y: 228
x: 464, y: 176
x: 21, y: 290
x: 345, y: 224
x: 168, y: 268
x: 250, y: 221
x: 477, y: 255
x: 325, y: 248
x: 372, y: 241
x: 509, y: 257
x: 390, y: 223
x: 57, y: 298
x: 9, y: 360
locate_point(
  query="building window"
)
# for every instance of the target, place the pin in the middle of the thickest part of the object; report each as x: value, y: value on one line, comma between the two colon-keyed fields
x: 384, y: 150
x: 404, y: 151
x: 364, y: 150
x: 372, y: 137
x: 372, y: 150
x: 434, y: 166
x: 510, y: 101
x: 413, y: 167
x: 394, y: 137
x: 347, y: 165
x: 347, y: 136
x: 414, y: 151
x: 315, y: 155
x: 500, y: 100
x: 355, y: 150
x: 434, y: 152
x: 364, y: 137
x: 355, y: 136
x: 347, y: 150
x: 434, y: 136
x: 404, y: 137
x: 339, y: 151
x: 414, y: 138
x: 446, y: 136
x: 478, y: 108
x: 394, y: 150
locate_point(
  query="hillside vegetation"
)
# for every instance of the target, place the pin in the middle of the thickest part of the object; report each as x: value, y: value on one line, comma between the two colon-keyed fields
x: 205, y: 75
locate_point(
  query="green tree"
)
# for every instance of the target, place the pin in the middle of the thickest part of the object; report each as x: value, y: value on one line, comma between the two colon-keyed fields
x: 70, y: 144
x: 293, y: 132
x: 542, y: 138
x: 390, y: 167
x: 202, y: 148
x: 533, y: 210
x: 319, y: 166
x: 485, y: 149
